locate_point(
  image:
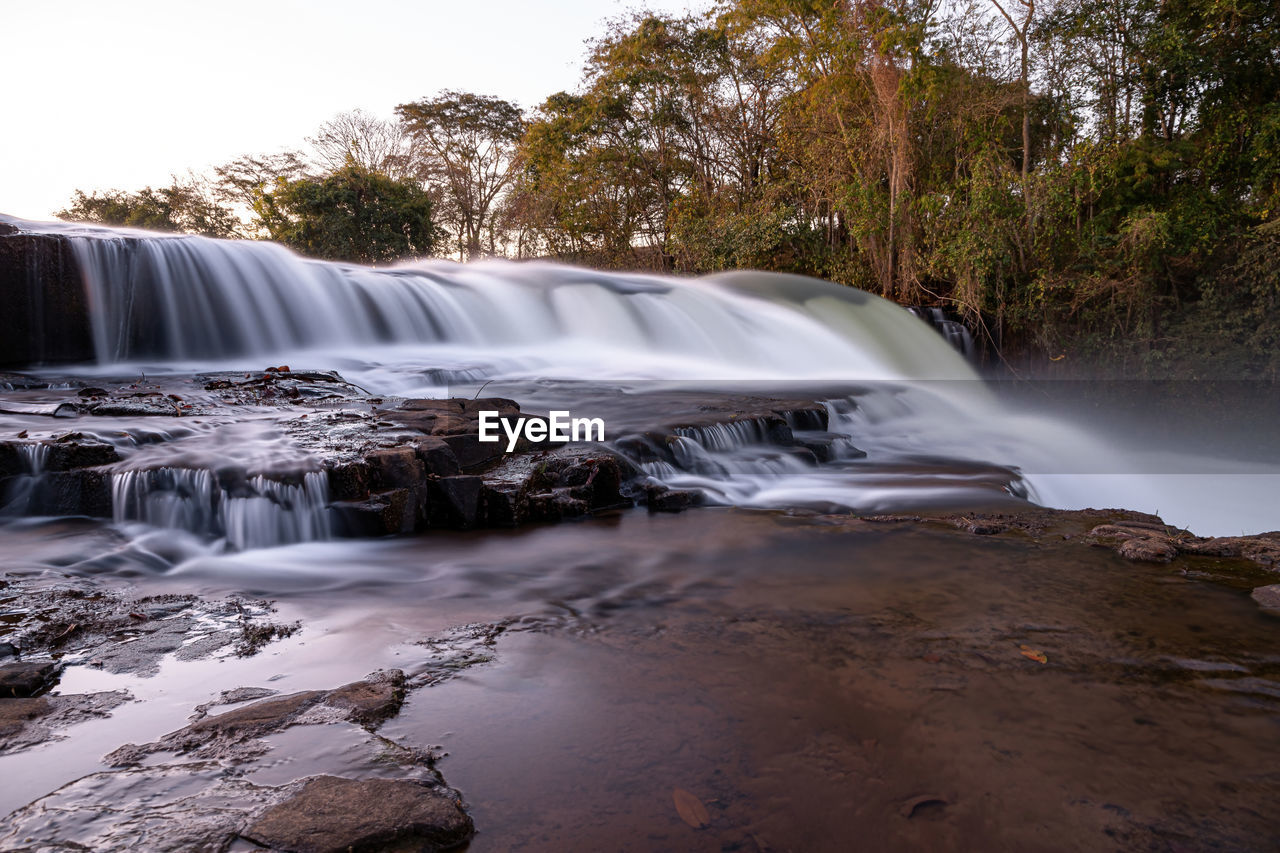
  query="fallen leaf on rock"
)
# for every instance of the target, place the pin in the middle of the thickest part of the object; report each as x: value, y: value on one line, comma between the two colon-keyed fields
x: 690, y: 808
x: 1034, y: 654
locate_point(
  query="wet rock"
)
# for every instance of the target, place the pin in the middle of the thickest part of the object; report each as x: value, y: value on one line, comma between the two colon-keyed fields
x: 234, y: 734
x: 32, y: 721
x: 394, y: 468
x: 349, y: 481
x: 120, y: 809
x: 503, y: 504
x: 15, y: 714
x: 1138, y: 542
x: 371, y: 701
x: 8, y: 650
x: 333, y: 815
x: 69, y: 452
x: 86, y: 492
x: 662, y: 499
x: 455, y: 501
x: 267, y: 715
x: 471, y: 453
x: 823, y: 445
x: 1268, y: 597
x: 133, y: 407
x: 46, y: 317
x: 1153, y: 541
x: 26, y: 679
x: 1263, y: 549
x: 437, y: 456
x: 233, y: 697
x: 379, y: 515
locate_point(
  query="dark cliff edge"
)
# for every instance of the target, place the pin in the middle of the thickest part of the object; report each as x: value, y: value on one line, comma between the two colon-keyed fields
x: 45, y: 316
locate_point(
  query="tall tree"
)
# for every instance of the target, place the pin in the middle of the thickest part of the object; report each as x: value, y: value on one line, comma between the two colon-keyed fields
x: 467, y: 144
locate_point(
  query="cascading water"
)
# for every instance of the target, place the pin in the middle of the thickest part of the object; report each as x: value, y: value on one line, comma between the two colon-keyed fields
x: 256, y: 513
x: 22, y: 495
x: 187, y: 303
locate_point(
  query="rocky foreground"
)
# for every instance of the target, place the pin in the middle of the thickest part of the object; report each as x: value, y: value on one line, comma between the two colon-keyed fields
x: 57, y: 623
x: 391, y: 466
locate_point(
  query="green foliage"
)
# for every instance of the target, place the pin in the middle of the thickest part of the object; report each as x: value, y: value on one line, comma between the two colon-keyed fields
x: 1083, y: 176
x: 185, y: 206
x: 353, y: 214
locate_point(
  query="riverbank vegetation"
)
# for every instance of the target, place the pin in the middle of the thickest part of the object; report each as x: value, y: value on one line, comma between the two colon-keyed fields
x: 1077, y: 178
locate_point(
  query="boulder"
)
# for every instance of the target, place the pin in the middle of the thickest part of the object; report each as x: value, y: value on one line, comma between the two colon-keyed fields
x: 335, y: 815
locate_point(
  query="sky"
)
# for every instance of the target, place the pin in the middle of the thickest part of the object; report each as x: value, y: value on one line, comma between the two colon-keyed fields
x: 122, y: 94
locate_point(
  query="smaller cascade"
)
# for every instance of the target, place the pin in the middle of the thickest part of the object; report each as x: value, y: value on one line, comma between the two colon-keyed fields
x: 253, y: 512
x: 22, y: 495
x: 954, y: 332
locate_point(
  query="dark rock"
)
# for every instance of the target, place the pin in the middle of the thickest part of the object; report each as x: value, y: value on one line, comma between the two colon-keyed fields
x: 662, y: 499
x: 8, y: 650
x: 349, y: 481
x: 76, y: 451
x: 378, y: 515
x: 45, y: 317
x: 259, y: 718
x: 394, y: 468
x: 471, y: 453
x: 556, y: 505
x: 82, y: 492
x: 371, y: 701
x: 455, y: 501
x: 437, y: 456
x: 335, y: 815
x: 503, y: 504
x: 26, y: 679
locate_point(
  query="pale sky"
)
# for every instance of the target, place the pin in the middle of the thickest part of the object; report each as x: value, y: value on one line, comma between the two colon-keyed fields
x: 101, y: 94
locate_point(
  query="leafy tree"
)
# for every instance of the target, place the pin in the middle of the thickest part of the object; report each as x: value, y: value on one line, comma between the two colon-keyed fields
x: 187, y: 205
x: 353, y: 214
x: 467, y: 144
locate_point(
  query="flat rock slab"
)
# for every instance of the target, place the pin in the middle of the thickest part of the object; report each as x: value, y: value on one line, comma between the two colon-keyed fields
x: 1268, y: 596
x: 19, y: 680
x: 32, y: 721
x: 334, y: 815
x: 233, y: 734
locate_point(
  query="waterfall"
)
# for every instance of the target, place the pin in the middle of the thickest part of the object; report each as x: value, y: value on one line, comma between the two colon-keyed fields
x: 953, y: 331
x: 255, y: 513
x: 187, y: 304
x: 193, y: 300
x: 21, y: 496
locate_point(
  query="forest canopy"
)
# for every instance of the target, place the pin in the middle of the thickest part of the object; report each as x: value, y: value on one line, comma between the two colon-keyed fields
x: 1072, y: 173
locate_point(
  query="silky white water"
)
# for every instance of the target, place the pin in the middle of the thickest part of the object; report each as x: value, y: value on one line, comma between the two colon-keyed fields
x: 178, y: 303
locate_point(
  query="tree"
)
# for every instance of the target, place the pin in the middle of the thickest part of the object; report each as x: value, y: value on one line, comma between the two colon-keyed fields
x: 353, y: 214
x: 188, y: 205
x: 378, y: 145
x: 468, y: 143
